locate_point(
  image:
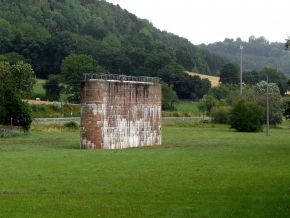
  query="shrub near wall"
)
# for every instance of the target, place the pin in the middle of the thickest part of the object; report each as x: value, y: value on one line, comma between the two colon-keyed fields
x: 247, y: 117
x: 220, y: 114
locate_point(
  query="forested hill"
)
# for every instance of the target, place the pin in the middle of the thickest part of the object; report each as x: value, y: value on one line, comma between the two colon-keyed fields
x: 44, y: 32
x: 258, y: 53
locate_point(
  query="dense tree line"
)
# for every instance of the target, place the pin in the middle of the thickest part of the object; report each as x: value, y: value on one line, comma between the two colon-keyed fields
x: 43, y: 33
x: 230, y: 74
x: 253, y: 77
x: 258, y: 53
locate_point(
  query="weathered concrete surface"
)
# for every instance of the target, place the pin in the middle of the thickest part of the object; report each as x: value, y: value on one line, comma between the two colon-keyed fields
x: 116, y: 114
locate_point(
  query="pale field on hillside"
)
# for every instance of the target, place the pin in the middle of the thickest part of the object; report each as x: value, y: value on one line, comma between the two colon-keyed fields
x: 214, y: 80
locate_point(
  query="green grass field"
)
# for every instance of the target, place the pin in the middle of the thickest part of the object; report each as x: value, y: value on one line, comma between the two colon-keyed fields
x: 201, y: 170
x: 183, y: 109
x: 187, y: 106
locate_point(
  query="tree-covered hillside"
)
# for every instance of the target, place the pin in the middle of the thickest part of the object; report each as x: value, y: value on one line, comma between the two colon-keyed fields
x: 258, y: 53
x: 44, y: 32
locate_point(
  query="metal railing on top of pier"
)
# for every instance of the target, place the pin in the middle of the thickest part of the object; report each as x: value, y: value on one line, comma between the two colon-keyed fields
x: 123, y: 78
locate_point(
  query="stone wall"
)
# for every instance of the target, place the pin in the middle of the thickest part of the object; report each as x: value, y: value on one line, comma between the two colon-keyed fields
x: 119, y: 114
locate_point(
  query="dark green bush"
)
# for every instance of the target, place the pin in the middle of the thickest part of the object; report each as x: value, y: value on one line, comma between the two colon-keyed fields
x: 220, y: 114
x: 169, y: 97
x: 2, y: 114
x: 52, y: 88
x: 71, y: 125
x: 16, y: 111
x: 247, y: 117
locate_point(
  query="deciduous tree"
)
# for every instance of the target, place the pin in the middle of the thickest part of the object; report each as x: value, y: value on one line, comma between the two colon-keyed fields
x: 247, y: 117
x: 229, y: 74
x: 73, y: 69
x: 12, y: 89
x: 52, y: 87
x: 275, y: 101
x: 169, y: 97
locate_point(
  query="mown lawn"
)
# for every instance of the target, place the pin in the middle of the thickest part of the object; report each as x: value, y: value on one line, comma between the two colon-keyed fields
x: 183, y: 109
x: 201, y: 170
x: 187, y: 106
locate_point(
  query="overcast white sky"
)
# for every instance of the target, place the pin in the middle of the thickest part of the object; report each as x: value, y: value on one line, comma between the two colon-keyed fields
x: 206, y: 21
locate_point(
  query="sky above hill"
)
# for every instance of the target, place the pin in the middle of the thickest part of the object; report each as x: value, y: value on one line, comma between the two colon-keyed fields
x: 206, y: 21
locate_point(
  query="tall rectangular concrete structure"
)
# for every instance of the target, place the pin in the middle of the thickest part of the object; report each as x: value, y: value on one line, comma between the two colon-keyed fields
x: 120, y: 112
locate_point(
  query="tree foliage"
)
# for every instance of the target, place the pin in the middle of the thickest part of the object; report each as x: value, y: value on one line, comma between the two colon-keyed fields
x: 23, y: 78
x: 44, y: 33
x: 254, y: 77
x: 226, y: 92
x: 13, y: 87
x: 258, y: 53
x: 275, y: 77
x: 286, y: 106
x: 17, y: 77
x: 220, y: 114
x: 169, y: 97
x: 229, y: 74
x: 247, y: 117
x: 73, y: 70
x: 52, y: 88
x: 275, y: 101
x: 207, y: 103
x: 15, y: 112
x: 186, y: 86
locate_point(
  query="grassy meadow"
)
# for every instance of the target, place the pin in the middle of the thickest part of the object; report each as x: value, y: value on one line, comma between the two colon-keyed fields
x: 188, y: 106
x: 201, y: 170
x: 183, y: 109
x: 55, y: 110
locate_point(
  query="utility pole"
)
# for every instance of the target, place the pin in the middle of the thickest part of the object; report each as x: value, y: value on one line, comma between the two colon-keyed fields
x: 267, y: 110
x: 241, y: 70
